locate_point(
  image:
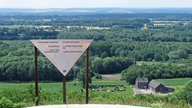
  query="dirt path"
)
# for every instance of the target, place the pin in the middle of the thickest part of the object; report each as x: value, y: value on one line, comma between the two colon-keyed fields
x: 113, y: 77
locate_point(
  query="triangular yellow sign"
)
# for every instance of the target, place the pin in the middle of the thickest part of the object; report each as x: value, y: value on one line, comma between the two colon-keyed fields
x: 63, y: 54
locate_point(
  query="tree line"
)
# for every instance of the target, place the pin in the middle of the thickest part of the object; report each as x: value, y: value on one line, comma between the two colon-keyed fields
x: 17, y: 64
x: 125, y: 41
x: 156, y: 71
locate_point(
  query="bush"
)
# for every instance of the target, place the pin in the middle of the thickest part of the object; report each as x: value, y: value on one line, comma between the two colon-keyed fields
x: 97, y: 76
x: 151, y: 98
x: 173, y: 99
x: 6, y: 103
x: 186, y: 94
x: 15, y: 95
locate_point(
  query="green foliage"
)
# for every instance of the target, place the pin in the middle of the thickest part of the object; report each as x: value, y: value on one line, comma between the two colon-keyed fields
x: 120, y: 40
x: 186, y: 94
x: 151, y: 98
x: 6, y: 103
x: 77, y: 96
x: 13, y: 94
x: 155, y: 71
x: 177, y: 54
x: 106, y: 65
x: 97, y: 76
x: 158, y: 57
x: 82, y: 77
x: 173, y: 99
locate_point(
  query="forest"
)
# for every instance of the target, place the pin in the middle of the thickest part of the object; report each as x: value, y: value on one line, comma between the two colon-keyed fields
x: 120, y: 41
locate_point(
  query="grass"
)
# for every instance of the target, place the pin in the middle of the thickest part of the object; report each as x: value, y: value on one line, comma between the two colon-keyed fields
x: 175, y: 81
x: 58, y: 86
x: 44, y: 86
x: 108, y: 83
x: 52, y: 94
x: 74, y: 94
x: 14, y: 85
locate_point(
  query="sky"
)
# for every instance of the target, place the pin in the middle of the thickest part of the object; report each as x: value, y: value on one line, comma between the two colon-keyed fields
x: 95, y: 3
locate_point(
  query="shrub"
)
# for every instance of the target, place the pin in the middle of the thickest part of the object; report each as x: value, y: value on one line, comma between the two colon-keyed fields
x: 186, y: 94
x: 97, y: 76
x: 6, y: 103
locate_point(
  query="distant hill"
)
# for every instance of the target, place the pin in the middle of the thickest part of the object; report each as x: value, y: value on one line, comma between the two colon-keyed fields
x: 96, y: 10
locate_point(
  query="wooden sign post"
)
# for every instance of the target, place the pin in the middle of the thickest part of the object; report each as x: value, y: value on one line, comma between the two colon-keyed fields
x: 36, y: 78
x: 64, y: 90
x: 87, y: 76
x: 63, y: 54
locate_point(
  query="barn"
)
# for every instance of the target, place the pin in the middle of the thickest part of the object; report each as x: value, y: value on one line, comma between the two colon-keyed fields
x: 141, y: 83
x: 159, y: 87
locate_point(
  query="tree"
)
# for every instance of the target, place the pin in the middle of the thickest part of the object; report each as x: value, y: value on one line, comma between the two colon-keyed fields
x: 104, y: 54
x: 82, y: 79
x: 97, y: 65
x: 130, y: 74
x: 157, y: 57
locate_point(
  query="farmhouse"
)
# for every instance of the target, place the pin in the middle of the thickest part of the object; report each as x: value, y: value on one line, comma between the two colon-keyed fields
x: 159, y: 87
x: 141, y: 83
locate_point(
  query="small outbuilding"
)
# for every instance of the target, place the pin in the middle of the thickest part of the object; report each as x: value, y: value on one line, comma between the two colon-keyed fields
x: 141, y: 83
x: 159, y: 87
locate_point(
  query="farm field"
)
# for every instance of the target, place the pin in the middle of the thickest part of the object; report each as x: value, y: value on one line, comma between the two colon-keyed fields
x: 175, y: 81
x: 113, y: 77
x: 43, y: 86
x: 156, y: 63
x: 51, y: 93
x: 56, y: 86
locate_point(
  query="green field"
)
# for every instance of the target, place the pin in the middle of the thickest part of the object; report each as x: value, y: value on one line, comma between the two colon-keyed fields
x: 175, y: 81
x: 57, y: 85
x: 51, y: 93
x: 109, y: 83
x: 43, y: 86
x: 72, y: 86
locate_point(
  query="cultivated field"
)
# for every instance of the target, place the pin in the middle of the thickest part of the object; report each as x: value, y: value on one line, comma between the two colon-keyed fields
x: 51, y: 93
x: 175, y: 81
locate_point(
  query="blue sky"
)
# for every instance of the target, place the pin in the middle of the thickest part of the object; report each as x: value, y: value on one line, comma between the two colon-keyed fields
x: 95, y: 3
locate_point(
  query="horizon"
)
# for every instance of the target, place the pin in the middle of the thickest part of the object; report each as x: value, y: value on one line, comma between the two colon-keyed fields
x: 38, y: 4
x: 107, y: 8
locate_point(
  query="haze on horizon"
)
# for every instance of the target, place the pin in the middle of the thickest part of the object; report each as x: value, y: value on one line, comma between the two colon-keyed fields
x: 95, y: 3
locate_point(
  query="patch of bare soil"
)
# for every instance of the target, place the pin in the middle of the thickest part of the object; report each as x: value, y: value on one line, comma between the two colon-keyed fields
x: 111, y: 77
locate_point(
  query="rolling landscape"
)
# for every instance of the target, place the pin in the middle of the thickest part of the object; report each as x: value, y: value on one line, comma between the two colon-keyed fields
x: 128, y: 43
